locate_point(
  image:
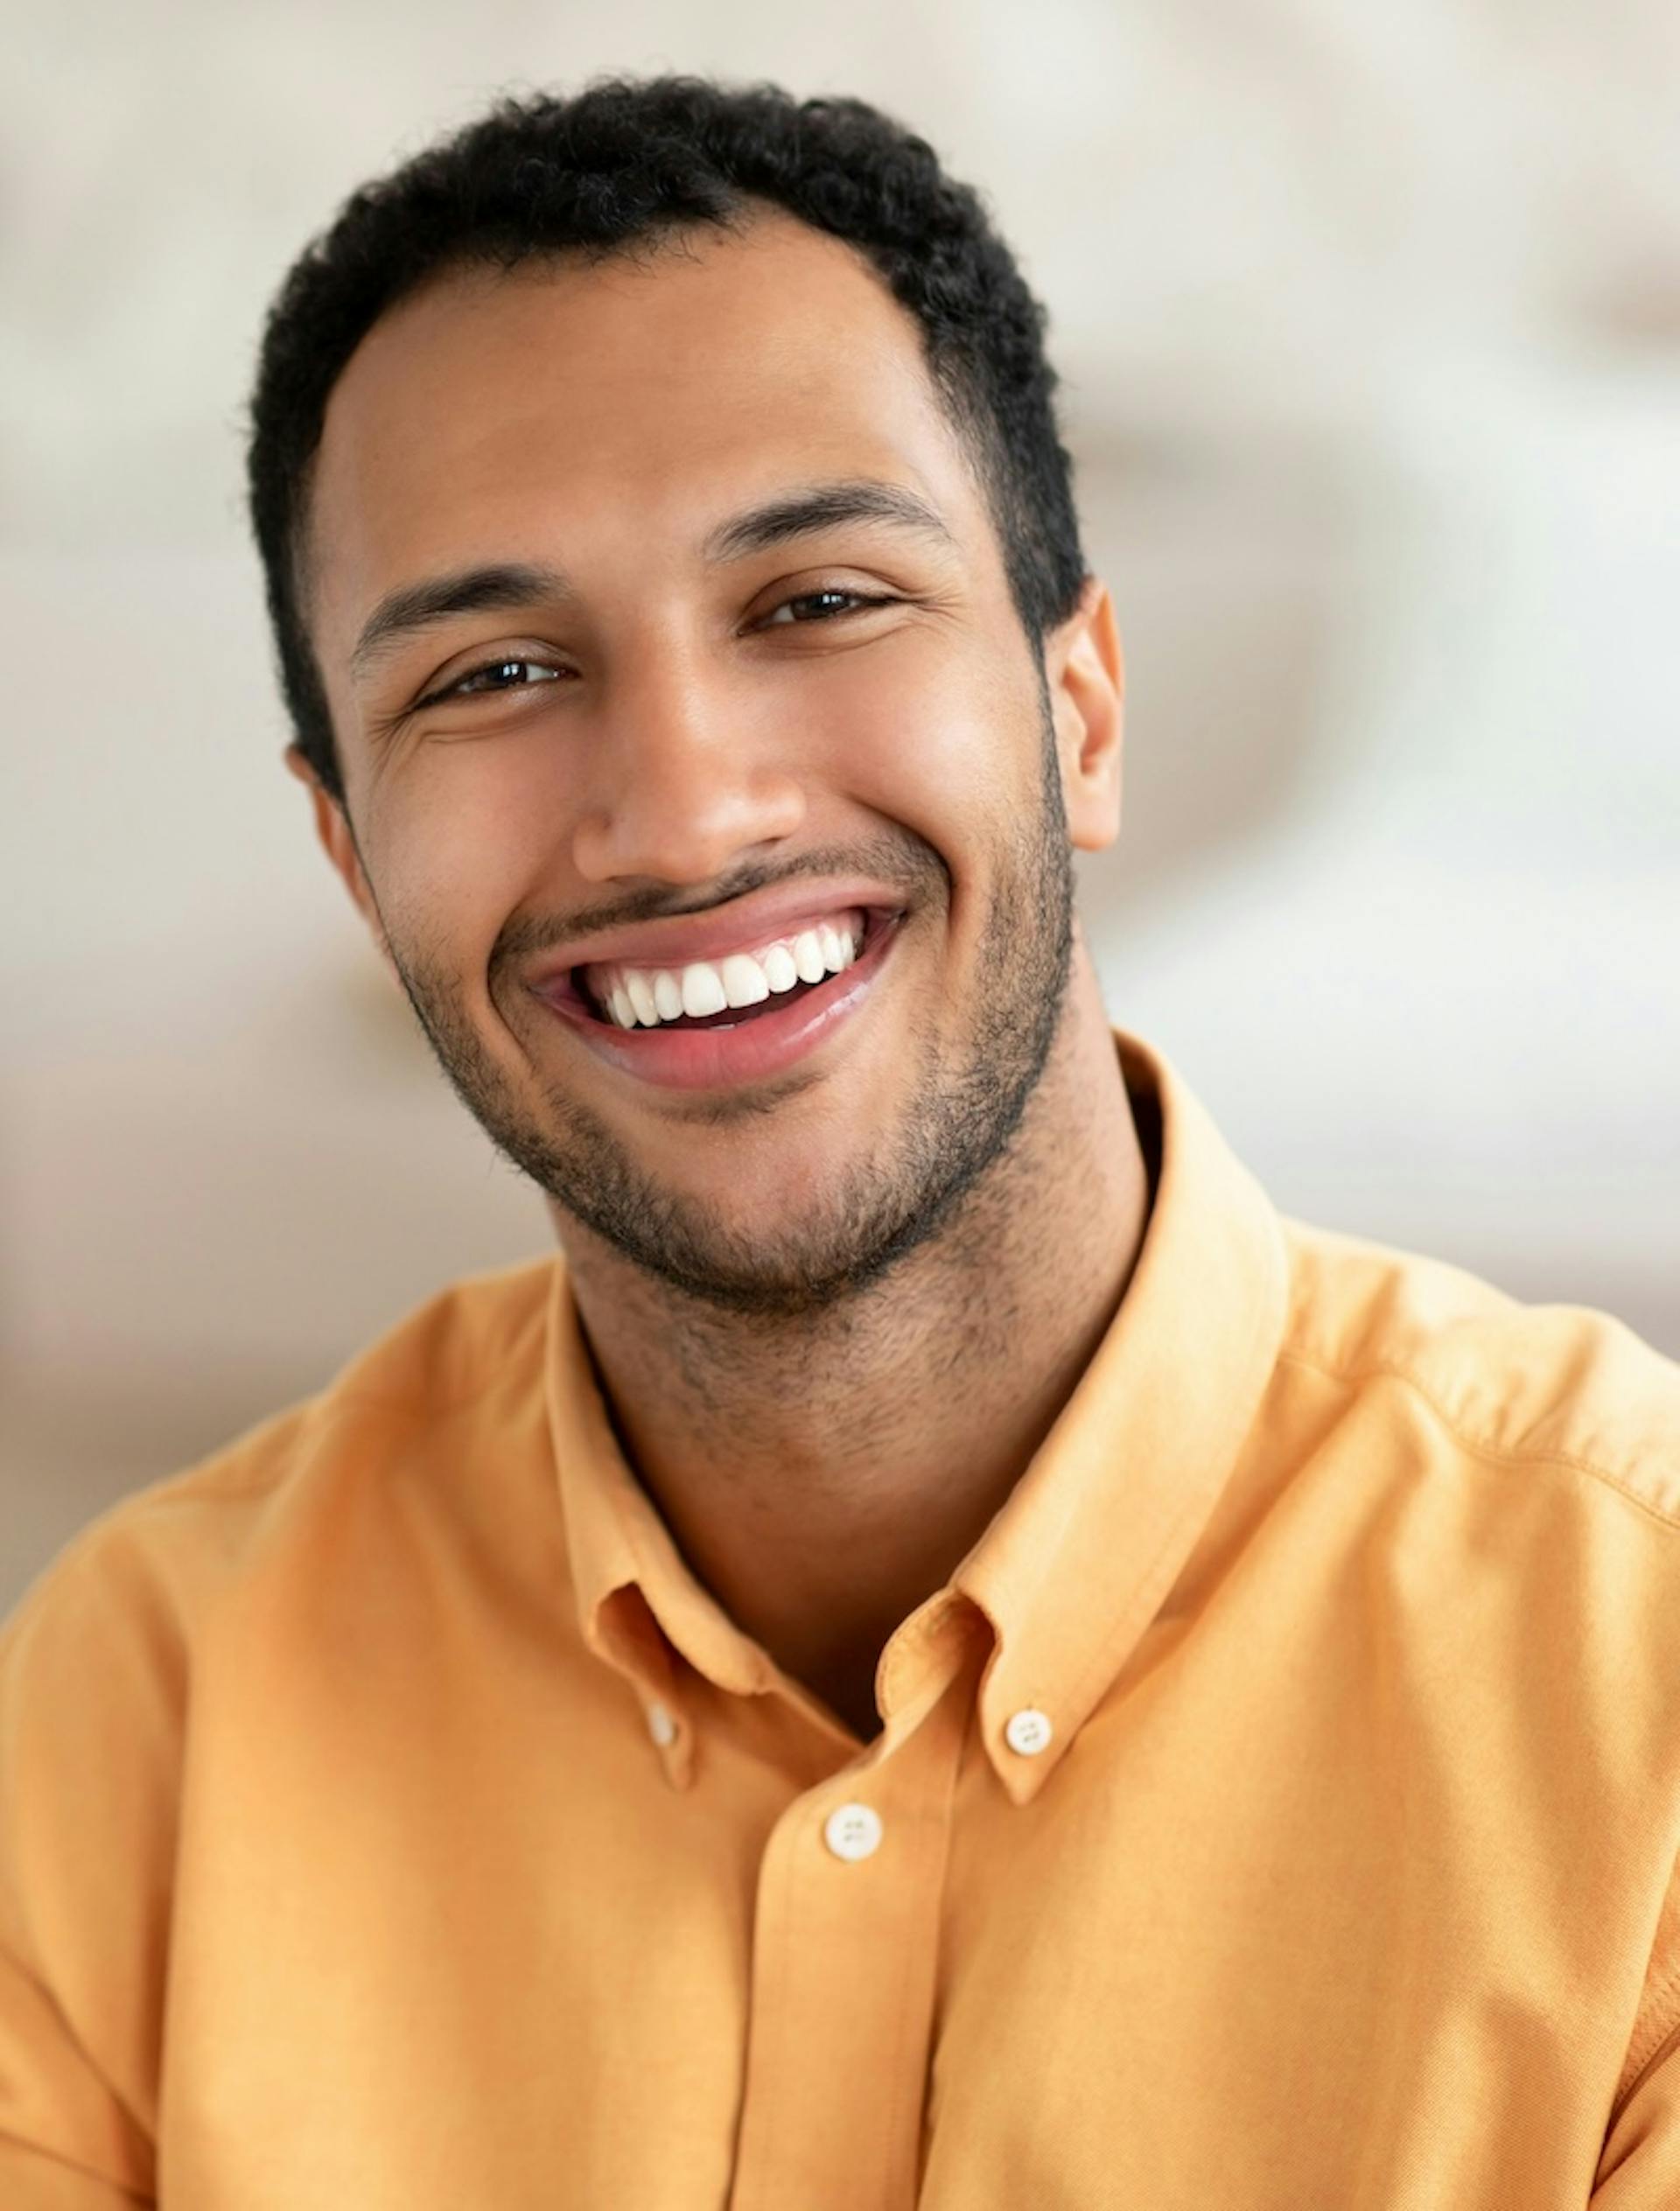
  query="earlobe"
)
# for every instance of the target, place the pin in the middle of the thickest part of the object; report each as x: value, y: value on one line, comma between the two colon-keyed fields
x: 337, y: 841
x: 1087, y: 674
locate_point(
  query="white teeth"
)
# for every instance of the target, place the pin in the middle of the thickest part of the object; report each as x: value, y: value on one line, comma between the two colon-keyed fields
x: 645, y: 997
x: 743, y: 978
x: 702, y: 990
x: 808, y: 956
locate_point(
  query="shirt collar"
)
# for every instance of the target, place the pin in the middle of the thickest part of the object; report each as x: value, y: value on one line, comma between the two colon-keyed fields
x: 1072, y: 1570
x: 1077, y: 1563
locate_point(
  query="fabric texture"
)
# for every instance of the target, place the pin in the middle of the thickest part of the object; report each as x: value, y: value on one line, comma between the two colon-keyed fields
x: 389, y: 1818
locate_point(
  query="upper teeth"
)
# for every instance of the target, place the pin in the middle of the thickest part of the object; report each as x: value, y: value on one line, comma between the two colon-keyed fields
x: 649, y: 995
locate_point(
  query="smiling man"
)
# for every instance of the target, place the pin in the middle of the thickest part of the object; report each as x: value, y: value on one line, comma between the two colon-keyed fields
x: 940, y: 1651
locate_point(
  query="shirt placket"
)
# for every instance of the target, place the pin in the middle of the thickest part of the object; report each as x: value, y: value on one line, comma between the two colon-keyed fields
x: 845, y: 1959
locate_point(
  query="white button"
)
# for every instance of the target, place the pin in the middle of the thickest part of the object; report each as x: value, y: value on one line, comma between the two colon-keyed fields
x: 1028, y: 1732
x: 853, y: 1831
x: 660, y: 1725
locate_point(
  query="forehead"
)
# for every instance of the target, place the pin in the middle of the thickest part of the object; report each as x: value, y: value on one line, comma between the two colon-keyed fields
x: 500, y: 414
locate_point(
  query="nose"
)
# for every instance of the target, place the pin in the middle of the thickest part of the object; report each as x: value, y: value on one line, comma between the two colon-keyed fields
x: 686, y: 778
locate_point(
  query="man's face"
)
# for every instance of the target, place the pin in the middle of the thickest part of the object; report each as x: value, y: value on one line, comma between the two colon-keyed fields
x: 614, y: 749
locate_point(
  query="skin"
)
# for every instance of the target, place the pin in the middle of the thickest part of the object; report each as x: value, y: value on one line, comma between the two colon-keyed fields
x: 825, y: 1443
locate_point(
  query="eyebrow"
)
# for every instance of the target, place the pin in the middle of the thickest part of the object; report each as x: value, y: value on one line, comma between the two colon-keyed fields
x: 815, y: 507
x: 505, y: 586
x: 498, y: 589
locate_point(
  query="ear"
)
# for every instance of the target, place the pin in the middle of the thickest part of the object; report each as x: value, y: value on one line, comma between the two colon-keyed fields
x: 338, y: 841
x: 1084, y: 669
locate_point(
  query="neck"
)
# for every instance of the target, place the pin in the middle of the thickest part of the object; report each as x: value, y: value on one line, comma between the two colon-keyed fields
x: 822, y: 1476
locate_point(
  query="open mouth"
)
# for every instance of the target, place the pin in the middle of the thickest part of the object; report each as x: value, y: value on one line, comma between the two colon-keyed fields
x: 782, y: 973
x: 745, y: 1019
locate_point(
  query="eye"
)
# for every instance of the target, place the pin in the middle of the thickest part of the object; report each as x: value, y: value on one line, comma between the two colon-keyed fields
x: 823, y: 606
x: 510, y: 675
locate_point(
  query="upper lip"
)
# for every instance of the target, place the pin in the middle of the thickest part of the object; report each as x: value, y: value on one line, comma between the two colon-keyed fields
x: 742, y: 926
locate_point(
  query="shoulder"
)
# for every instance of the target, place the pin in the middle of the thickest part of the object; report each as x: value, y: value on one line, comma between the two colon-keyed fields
x: 1502, y: 1379
x: 158, y: 1553
x: 203, y: 1577
x: 202, y: 1591
x: 1530, y: 1482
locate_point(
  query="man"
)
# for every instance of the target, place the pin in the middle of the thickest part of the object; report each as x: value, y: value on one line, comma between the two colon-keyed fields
x: 941, y: 1653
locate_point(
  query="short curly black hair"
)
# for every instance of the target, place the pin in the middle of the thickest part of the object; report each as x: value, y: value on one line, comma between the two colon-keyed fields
x: 621, y: 165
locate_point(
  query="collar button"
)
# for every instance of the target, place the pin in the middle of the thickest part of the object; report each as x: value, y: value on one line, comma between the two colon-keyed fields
x: 1028, y: 1732
x: 853, y: 1831
x: 660, y: 1725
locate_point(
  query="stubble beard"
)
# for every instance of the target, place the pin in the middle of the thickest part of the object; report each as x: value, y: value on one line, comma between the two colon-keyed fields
x: 970, y: 1102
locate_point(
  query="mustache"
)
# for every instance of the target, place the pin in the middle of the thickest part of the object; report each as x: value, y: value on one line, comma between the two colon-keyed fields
x: 899, y: 858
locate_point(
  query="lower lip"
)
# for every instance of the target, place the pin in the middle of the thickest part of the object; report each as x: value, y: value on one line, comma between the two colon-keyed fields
x: 751, y: 1051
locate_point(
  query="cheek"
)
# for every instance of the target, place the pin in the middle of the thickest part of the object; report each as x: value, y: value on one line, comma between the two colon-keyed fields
x: 952, y: 753
x: 457, y: 842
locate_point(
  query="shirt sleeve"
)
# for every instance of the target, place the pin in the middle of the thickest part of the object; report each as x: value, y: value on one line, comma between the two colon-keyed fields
x: 65, y: 2139
x: 1640, y: 2169
x: 33, y: 2182
x: 90, y: 1725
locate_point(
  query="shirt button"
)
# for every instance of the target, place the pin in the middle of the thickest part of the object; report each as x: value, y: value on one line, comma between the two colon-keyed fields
x: 853, y: 1831
x: 660, y: 1725
x: 1028, y: 1732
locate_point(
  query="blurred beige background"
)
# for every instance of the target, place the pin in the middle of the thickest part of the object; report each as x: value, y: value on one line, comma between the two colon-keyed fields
x: 1370, y: 325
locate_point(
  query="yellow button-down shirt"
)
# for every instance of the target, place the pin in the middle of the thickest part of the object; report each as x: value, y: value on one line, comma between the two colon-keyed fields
x: 1279, y: 1808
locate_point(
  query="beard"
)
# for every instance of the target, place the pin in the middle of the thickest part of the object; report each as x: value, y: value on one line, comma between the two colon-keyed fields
x: 971, y: 1096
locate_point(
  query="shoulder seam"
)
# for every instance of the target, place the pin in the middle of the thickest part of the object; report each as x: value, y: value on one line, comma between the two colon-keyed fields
x: 214, y: 1482
x: 327, y: 1406
x: 1384, y: 1369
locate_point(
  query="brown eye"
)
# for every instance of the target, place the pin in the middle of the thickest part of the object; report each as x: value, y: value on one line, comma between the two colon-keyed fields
x: 501, y: 675
x: 821, y: 607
